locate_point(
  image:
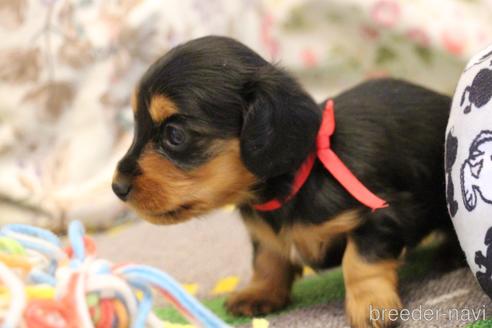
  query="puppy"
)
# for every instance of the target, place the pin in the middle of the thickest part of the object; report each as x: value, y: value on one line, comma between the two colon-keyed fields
x: 216, y: 124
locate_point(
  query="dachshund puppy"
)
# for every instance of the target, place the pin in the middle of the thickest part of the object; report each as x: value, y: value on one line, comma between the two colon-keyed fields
x: 216, y: 124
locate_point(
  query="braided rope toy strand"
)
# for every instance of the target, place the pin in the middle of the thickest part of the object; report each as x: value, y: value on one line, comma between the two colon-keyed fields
x: 51, y: 287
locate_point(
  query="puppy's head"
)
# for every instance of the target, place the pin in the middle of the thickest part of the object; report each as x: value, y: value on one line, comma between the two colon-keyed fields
x: 213, y: 120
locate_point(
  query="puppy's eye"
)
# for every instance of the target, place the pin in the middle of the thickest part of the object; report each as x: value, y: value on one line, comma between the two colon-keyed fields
x: 174, y: 135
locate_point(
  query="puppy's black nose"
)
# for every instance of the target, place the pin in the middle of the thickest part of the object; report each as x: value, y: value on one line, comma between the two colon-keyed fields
x: 122, y: 187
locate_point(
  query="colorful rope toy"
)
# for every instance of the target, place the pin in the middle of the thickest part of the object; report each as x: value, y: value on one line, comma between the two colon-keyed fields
x: 46, y: 286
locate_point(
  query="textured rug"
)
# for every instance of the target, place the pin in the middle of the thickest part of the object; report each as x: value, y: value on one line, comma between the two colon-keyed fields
x: 212, y: 256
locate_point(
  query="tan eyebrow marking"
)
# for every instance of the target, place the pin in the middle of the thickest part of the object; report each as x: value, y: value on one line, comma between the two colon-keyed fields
x: 161, y: 107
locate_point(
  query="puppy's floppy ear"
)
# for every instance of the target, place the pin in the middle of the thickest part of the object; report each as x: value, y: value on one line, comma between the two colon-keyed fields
x: 280, y: 123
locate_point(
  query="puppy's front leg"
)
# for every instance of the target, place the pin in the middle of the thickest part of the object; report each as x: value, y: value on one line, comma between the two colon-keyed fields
x: 269, y: 289
x: 371, y: 289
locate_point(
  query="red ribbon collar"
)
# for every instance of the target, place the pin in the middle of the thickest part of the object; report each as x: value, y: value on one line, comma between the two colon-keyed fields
x: 333, y: 164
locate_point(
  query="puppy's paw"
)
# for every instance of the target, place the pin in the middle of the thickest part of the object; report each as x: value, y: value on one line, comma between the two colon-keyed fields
x: 373, y: 309
x: 254, y: 301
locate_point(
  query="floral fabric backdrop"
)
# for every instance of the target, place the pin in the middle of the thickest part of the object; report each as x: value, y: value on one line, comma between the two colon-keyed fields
x: 67, y: 69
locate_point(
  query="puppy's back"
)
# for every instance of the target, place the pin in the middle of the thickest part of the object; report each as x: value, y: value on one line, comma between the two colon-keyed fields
x: 392, y: 132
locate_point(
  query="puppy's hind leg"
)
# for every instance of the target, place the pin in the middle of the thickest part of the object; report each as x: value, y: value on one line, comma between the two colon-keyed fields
x: 371, y: 289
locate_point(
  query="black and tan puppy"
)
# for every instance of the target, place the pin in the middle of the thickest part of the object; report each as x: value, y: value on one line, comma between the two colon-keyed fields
x: 216, y: 124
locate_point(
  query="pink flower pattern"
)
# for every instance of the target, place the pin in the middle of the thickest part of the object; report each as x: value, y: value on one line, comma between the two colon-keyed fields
x: 385, y: 13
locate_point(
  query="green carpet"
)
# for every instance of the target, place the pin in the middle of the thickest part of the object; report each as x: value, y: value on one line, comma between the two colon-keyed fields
x: 481, y: 324
x: 318, y: 289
